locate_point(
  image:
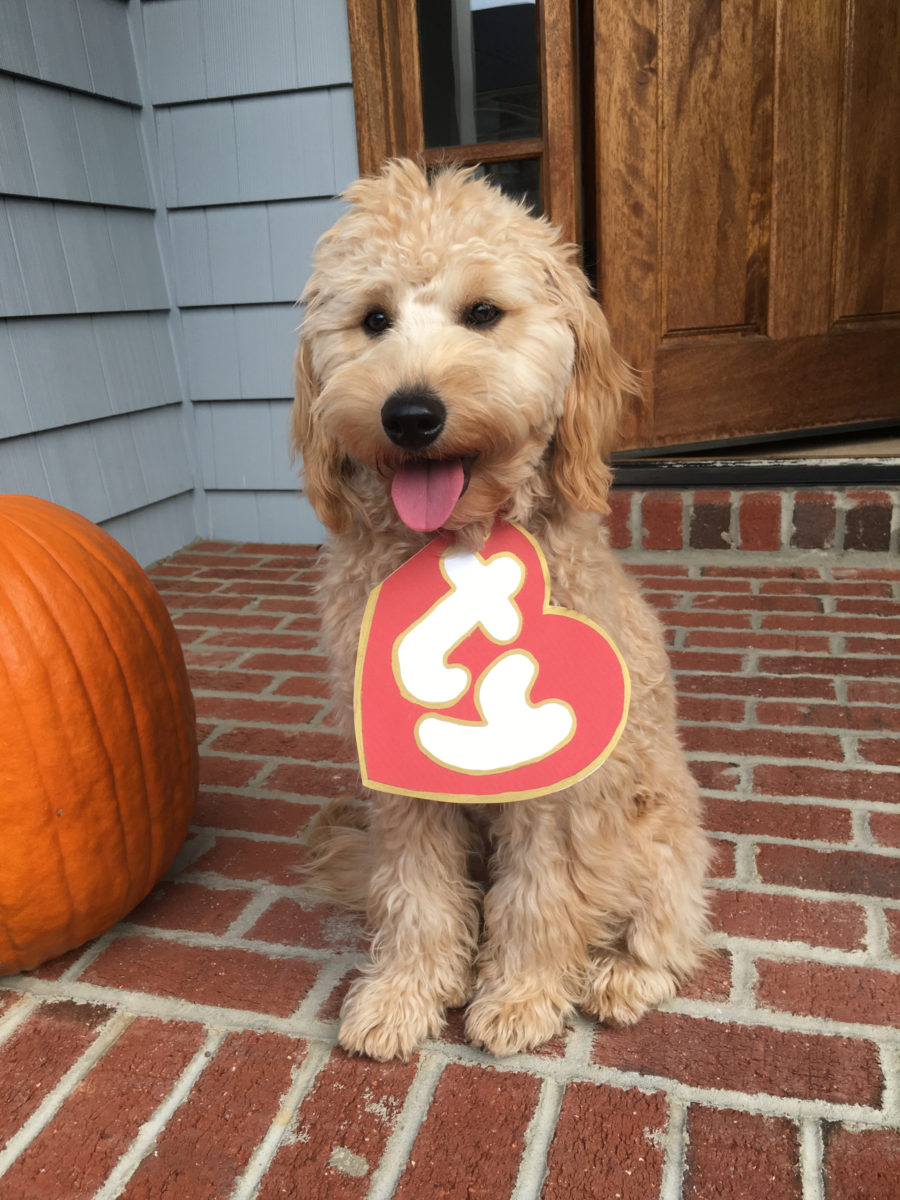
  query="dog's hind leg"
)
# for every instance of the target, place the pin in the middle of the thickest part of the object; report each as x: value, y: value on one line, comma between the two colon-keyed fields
x: 664, y: 923
x: 424, y: 910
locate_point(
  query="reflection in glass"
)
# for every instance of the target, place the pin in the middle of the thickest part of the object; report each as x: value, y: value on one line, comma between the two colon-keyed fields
x: 520, y: 179
x: 479, y: 69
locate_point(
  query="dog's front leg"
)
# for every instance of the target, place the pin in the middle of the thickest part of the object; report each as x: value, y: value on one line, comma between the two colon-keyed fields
x: 424, y: 911
x: 534, y: 948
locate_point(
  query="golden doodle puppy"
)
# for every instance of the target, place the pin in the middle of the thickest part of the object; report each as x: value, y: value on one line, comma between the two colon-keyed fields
x: 453, y: 368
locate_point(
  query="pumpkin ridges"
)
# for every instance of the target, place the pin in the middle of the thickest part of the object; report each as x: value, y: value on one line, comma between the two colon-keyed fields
x: 96, y: 777
x: 132, y: 725
x: 154, y: 619
x: 9, y: 692
x: 145, y: 747
x: 43, y: 697
x: 110, y: 560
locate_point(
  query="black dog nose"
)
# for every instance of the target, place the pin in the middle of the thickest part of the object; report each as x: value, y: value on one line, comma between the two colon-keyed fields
x: 413, y: 417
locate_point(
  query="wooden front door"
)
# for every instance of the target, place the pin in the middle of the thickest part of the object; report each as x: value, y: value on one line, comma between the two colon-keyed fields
x: 747, y: 177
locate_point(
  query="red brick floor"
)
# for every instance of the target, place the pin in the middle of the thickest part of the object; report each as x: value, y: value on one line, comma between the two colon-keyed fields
x: 190, y: 1051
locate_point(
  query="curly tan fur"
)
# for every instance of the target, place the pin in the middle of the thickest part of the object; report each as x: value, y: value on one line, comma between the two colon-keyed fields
x: 594, y: 895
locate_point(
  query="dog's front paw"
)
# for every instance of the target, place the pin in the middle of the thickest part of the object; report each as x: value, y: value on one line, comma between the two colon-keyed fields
x: 504, y: 1025
x: 383, y: 1019
x: 621, y: 990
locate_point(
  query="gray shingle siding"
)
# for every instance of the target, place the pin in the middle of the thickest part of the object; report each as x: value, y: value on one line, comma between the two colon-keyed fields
x: 165, y: 169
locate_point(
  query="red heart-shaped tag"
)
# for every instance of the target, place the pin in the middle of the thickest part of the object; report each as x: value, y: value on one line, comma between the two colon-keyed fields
x: 472, y: 687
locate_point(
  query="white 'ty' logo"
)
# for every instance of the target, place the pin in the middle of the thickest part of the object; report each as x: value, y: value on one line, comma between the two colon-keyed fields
x: 513, y: 731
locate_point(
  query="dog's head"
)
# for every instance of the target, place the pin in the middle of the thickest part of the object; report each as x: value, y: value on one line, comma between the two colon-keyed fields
x: 452, y: 364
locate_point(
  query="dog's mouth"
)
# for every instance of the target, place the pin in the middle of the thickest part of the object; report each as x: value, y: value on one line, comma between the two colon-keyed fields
x: 425, y: 491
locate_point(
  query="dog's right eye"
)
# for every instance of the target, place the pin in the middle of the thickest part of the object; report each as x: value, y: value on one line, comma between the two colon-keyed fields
x: 376, y: 321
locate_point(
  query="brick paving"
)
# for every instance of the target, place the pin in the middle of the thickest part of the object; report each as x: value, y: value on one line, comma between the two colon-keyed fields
x: 190, y: 1051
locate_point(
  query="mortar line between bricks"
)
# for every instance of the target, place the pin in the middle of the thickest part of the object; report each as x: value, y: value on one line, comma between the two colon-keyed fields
x: 760, y: 1103
x: 257, y: 790
x: 811, y: 1158
x: 280, y: 760
x: 198, y: 842
x: 109, y: 1034
x: 226, y: 883
x: 216, y: 941
x: 877, y: 933
x: 306, y: 1074
x: 538, y: 1136
x: 848, y: 737
x: 166, y: 1008
x: 786, y: 889
x: 859, y: 824
x: 580, y: 1042
x: 250, y: 835
x: 763, y: 839
x: 851, y: 805
x: 745, y: 871
x: 89, y: 953
x: 743, y: 977
x: 413, y: 1115
x: 752, y: 667
x: 822, y: 764
x: 146, y: 1136
x: 17, y: 1015
x: 890, y: 1069
x: 821, y: 560
x: 327, y: 979
x: 225, y: 725
x: 262, y: 898
x: 802, y: 952
x: 780, y: 1020
x: 675, y: 1152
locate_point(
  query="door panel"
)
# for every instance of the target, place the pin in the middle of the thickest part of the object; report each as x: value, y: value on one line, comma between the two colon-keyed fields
x: 715, y: 109
x: 869, y: 264
x: 747, y: 187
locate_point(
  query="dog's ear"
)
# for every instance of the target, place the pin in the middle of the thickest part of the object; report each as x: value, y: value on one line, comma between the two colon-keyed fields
x: 323, y: 481
x: 600, y: 381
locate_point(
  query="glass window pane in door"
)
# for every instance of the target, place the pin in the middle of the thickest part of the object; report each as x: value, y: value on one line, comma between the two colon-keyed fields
x: 520, y: 179
x: 479, y: 68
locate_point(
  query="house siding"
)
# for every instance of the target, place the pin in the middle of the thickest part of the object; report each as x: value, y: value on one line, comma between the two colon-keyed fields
x: 165, y: 169
x: 92, y: 414
x: 253, y: 108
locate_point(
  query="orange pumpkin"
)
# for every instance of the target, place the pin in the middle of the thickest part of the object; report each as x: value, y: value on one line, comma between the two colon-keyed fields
x: 98, y: 754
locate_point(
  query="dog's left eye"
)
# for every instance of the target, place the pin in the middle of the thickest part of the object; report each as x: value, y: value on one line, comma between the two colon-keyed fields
x: 376, y: 321
x: 482, y: 314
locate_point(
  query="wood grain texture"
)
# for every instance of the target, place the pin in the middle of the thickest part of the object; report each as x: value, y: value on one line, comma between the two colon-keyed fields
x: 626, y: 137
x: 747, y: 193
x: 869, y: 266
x: 407, y: 78
x: 808, y: 89
x: 737, y: 388
x: 372, y: 88
x: 717, y: 83
x: 484, y: 152
x: 561, y: 174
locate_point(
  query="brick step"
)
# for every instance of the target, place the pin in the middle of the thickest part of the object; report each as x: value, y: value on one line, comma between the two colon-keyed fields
x: 855, y: 520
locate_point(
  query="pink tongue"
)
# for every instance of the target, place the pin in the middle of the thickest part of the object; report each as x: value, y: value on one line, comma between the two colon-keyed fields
x: 425, y: 493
